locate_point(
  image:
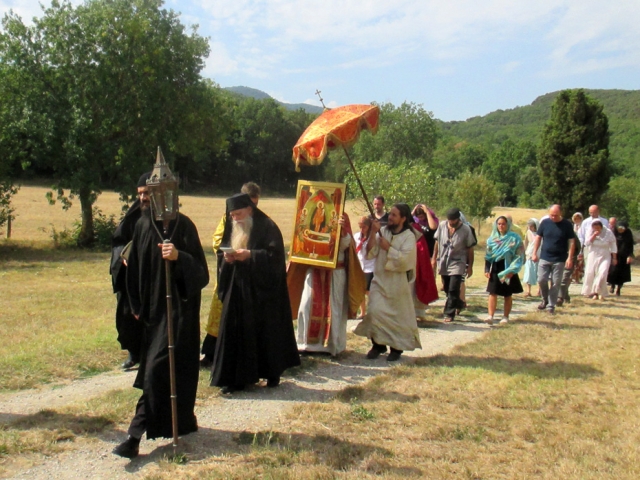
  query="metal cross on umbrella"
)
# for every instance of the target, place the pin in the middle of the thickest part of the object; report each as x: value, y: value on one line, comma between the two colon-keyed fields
x: 334, y: 128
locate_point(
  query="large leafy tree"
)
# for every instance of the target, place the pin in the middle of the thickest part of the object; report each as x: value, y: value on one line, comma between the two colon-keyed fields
x: 105, y: 83
x: 573, y: 159
x: 401, y: 184
x: 407, y: 134
x: 475, y: 195
x: 506, y: 166
x: 455, y: 157
x: 262, y: 141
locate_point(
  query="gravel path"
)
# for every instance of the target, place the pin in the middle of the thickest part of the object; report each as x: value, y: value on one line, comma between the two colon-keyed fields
x: 219, y: 418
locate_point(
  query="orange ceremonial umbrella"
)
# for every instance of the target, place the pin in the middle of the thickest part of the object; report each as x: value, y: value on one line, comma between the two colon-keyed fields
x: 336, y: 127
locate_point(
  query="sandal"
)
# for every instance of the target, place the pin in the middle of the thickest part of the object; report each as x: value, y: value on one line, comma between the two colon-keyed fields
x: 448, y: 319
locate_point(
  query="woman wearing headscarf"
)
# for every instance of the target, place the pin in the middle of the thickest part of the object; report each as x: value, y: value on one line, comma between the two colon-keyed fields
x: 621, y: 273
x: 503, y: 261
x: 425, y: 291
x: 530, y: 276
x: 578, y: 266
x: 603, y: 252
x: 426, y: 221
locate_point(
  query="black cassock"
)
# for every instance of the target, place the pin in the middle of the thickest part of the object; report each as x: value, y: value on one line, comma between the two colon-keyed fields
x: 129, y: 330
x: 621, y: 273
x: 256, y: 338
x: 146, y: 287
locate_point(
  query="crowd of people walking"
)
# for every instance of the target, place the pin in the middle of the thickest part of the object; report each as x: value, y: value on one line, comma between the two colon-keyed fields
x: 385, y: 276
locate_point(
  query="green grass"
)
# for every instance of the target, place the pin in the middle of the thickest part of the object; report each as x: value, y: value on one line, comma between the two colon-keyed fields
x: 57, y: 315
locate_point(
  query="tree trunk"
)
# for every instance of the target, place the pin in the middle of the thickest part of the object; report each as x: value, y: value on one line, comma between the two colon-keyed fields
x: 85, y: 239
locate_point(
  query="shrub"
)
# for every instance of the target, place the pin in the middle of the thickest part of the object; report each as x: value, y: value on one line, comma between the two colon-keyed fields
x: 103, y: 228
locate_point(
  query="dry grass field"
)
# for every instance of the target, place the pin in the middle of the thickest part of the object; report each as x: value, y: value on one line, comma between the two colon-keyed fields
x: 544, y: 397
x: 35, y: 217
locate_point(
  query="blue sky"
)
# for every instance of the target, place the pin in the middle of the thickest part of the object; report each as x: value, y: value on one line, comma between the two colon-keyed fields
x: 458, y: 58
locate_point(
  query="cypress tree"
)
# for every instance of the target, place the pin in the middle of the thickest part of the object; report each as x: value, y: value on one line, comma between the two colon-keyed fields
x: 573, y: 159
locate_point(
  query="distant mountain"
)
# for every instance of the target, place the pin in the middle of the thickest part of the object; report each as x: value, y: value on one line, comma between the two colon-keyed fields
x: 260, y: 95
x: 622, y: 107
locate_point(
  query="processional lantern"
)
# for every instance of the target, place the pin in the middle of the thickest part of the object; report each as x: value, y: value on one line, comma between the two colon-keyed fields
x: 163, y: 190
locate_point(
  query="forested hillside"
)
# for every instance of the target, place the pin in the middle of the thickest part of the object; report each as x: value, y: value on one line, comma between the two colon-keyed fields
x: 260, y: 95
x: 622, y: 107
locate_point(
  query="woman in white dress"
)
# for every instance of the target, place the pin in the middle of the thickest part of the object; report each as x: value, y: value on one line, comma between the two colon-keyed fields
x: 603, y: 252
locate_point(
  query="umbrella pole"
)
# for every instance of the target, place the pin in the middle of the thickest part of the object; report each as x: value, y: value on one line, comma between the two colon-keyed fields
x: 364, y: 194
x: 172, y: 357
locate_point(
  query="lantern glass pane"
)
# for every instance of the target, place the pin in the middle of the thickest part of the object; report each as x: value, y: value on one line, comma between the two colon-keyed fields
x: 156, y: 199
x: 168, y: 201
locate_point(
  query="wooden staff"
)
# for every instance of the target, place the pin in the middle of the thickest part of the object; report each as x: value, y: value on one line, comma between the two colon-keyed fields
x: 172, y: 356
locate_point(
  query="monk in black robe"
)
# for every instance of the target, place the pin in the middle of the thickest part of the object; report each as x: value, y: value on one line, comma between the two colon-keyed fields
x: 620, y: 273
x: 256, y: 338
x: 129, y: 329
x: 147, y: 293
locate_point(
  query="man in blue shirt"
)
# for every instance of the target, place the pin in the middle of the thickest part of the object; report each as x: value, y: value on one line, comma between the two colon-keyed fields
x: 558, y: 248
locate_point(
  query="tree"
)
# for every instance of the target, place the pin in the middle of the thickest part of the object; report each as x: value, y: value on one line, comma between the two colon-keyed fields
x: 402, y: 184
x: 263, y: 136
x: 622, y: 200
x: 407, y: 134
x: 7, y: 190
x: 573, y: 159
x: 458, y: 157
x: 107, y: 82
x: 476, y: 196
x: 507, y: 164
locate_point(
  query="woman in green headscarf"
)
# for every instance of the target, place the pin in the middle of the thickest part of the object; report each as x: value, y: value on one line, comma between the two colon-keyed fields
x: 503, y: 261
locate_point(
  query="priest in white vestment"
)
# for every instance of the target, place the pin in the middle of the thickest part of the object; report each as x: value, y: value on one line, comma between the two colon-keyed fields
x: 390, y: 320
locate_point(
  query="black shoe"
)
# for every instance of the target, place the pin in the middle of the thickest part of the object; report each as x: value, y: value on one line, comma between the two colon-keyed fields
x: 393, y: 356
x: 542, y: 306
x: 129, y: 448
x: 206, y: 363
x: 229, y: 389
x: 130, y: 362
x: 612, y: 289
x: 375, y: 353
x: 560, y: 302
x: 273, y: 382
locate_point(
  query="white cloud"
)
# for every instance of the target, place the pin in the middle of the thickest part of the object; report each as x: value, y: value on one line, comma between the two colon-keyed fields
x: 369, y: 33
x: 361, y: 34
x: 219, y: 61
x: 593, y: 35
x: 268, y: 38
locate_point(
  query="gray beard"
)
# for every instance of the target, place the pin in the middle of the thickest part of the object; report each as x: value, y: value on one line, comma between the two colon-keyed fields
x: 240, y: 233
